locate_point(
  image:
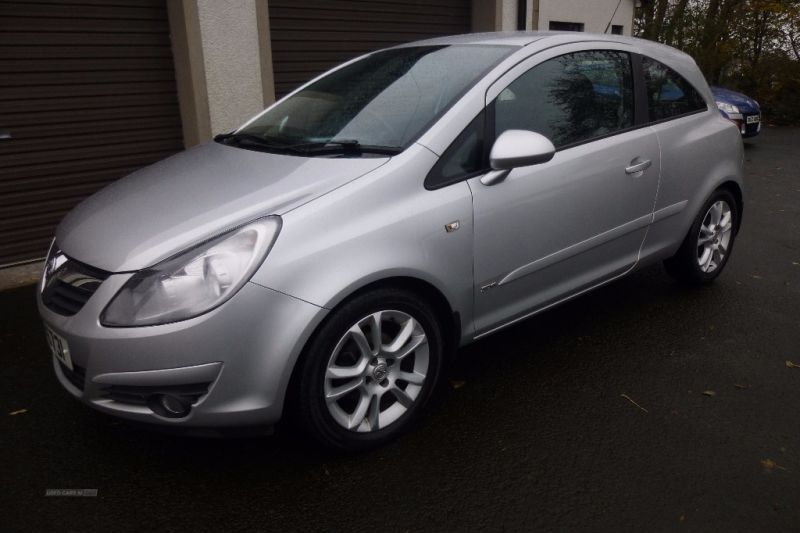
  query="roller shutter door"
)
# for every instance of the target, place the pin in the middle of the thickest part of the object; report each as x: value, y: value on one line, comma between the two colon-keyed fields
x: 311, y: 36
x: 87, y: 91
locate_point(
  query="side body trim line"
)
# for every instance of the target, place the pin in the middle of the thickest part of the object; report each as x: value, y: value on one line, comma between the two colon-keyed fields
x: 553, y: 304
x: 670, y: 210
x: 575, y: 249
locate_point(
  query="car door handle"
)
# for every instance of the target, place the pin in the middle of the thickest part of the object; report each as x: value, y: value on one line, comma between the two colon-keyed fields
x: 641, y: 166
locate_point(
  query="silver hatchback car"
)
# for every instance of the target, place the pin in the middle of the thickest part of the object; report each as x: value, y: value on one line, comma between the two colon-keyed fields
x: 324, y: 259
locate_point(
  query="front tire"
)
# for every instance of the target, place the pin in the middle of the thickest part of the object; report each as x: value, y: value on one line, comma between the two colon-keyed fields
x: 369, y: 371
x: 708, y: 245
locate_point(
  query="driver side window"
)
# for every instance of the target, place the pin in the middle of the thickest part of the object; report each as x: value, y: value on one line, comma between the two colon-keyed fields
x: 571, y: 98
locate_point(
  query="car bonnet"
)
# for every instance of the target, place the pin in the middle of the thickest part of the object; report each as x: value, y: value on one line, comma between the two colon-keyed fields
x: 183, y: 200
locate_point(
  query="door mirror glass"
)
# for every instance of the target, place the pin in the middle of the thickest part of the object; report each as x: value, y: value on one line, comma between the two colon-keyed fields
x: 520, y: 148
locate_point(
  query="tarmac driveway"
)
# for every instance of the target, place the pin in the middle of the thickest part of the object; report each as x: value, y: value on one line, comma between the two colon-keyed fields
x: 532, y: 433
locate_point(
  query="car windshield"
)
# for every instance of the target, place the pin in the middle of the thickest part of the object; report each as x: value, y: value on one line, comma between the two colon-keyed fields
x: 379, y: 104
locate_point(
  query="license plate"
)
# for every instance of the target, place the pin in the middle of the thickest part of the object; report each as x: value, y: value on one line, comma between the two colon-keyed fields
x: 753, y: 119
x: 58, y: 347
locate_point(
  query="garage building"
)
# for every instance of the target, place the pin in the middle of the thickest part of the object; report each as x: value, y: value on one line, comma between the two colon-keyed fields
x: 91, y: 90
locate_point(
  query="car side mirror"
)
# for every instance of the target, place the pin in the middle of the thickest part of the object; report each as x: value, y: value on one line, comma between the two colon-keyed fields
x: 517, y: 148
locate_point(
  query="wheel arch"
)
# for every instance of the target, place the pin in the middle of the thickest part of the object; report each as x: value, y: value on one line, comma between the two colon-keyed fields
x: 449, y: 318
x: 730, y: 181
x: 736, y: 190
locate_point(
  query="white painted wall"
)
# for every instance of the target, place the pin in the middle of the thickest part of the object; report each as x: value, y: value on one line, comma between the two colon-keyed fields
x: 508, y: 15
x: 494, y: 15
x: 229, y: 36
x: 529, y: 25
x: 594, y: 14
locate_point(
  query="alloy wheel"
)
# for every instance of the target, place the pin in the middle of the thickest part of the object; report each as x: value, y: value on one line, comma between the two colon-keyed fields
x: 376, y: 371
x: 713, y: 240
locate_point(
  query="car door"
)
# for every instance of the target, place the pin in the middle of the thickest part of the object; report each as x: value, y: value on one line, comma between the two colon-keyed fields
x: 555, y: 229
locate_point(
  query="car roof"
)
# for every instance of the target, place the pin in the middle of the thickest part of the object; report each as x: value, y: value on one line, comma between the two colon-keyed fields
x: 545, y: 39
x: 674, y: 58
x: 521, y: 38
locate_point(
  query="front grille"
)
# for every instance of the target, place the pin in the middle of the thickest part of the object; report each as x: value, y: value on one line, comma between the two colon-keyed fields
x: 139, y: 395
x: 76, y: 376
x: 69, y: 284
x: 66, y: 299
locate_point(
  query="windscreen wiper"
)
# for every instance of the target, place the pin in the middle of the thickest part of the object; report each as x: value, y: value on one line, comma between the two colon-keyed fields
x: 345, y: 146
x: 252, y: 140
x: 335, y: 146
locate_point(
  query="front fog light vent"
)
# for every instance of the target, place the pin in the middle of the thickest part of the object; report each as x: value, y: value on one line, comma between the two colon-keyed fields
x: 173, y: 401
x: 169, y: 406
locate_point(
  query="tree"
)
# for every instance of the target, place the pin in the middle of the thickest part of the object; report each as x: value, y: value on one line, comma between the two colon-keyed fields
x: 750, y: 45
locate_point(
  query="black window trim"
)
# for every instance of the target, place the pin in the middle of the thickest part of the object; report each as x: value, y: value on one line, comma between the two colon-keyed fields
x: 641, y: 113
x: 682, y: 115
x: 431, y: 179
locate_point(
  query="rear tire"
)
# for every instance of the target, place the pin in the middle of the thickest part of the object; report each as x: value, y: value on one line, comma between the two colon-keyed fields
x: 369, y: 370
x: 708, y: 245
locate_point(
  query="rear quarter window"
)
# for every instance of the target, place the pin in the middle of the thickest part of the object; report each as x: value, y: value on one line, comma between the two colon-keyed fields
x: 669, y: 94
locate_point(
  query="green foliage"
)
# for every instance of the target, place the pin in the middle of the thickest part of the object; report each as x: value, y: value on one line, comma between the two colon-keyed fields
x: 752, y: 46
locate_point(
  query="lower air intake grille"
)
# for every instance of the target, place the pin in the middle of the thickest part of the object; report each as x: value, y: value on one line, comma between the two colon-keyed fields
x: 76, y: 376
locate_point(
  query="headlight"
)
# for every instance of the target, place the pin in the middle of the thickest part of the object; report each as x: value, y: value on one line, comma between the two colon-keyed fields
x: 195, y: 281
x: 728, y: 108
x: 53, y: 262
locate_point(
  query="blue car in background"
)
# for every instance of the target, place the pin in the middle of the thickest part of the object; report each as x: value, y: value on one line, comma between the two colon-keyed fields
x: 740, y: 109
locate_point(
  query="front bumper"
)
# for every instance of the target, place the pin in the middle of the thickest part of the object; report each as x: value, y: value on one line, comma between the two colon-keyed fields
x: 753, y: 128
x: 236, y: 359
x: 745, y: 122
